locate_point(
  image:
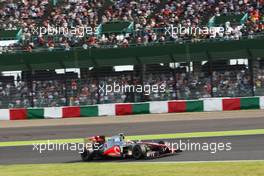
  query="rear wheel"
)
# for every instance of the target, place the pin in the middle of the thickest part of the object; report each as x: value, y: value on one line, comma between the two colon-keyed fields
x: 161, y: 142
x: 139, y: 151
x: 87, y: 155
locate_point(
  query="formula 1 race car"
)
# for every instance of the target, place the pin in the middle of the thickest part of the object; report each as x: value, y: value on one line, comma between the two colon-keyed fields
x: 117, y: 147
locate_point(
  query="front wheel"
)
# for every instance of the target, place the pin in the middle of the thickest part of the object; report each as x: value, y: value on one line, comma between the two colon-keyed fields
x: 87, y: 155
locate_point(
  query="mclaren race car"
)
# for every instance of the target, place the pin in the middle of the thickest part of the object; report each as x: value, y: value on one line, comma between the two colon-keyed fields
x: 117, y: 147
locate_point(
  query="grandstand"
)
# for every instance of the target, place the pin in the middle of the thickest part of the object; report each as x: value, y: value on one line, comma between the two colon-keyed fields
x: 68, y: 69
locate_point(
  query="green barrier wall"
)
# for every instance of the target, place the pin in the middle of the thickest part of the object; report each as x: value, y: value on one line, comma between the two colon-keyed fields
x: 165, y: 53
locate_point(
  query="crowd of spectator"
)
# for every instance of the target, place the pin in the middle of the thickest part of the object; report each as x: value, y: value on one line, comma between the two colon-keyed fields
x: 177, y: 86
x: 146, y: 15
x: 149, y: 18
x: 193, y: 85
x: 259, y: 80
x: 232, y: 83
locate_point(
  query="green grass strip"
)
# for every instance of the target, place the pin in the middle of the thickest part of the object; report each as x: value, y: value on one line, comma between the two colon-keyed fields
x: 146, y: 137
x: 248, y: 168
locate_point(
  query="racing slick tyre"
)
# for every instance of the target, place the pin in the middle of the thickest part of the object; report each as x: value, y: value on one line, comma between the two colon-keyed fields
x: 87, y: 155
x: 139, y: 151
x: 161, y: 142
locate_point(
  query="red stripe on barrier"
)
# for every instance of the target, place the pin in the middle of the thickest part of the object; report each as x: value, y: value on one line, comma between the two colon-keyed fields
x: 177, y: 106
x: 123, y: 109
x: 68, y: 112
x: 18, y: 114
x: 231, y: 104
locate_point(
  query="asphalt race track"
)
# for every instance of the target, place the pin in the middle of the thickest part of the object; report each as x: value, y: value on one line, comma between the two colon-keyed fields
x: 80, y: 131
x: 243, y: 148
